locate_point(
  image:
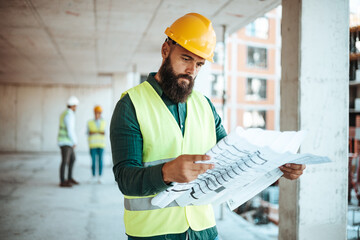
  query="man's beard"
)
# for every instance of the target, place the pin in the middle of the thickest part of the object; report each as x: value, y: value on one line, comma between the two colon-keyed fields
x: 176, y: 91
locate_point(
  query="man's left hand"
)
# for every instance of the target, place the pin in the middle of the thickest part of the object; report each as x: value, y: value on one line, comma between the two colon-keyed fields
x: 292, y: 171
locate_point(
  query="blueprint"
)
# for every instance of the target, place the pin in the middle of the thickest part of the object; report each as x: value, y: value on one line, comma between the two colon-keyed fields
x: 246, y: 162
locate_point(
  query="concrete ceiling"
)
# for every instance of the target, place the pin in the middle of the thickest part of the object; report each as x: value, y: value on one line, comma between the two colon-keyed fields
x: 85, y: 41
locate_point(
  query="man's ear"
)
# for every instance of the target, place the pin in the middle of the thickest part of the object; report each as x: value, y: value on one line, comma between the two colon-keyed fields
x: 165, y: 50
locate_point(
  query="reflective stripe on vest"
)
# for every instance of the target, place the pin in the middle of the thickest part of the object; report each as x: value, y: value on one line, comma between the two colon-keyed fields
x: 63, y: 136
x: 163, y: 139
x: 142, y: 204
x: 96, y: 140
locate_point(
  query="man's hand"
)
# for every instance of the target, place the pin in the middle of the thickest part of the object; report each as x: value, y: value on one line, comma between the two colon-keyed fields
x: 184, y: 169
x: 292, y: 171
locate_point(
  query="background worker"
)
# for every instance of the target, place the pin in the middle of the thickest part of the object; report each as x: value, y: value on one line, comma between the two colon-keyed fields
x: 67, y: 141
x: 160, y: 128
x: 96, y: 139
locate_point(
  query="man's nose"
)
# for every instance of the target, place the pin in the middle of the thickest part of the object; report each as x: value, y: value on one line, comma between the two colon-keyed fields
x: 191, y: 69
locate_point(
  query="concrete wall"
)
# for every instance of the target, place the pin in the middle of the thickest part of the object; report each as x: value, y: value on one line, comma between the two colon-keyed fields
x: 29, y: 115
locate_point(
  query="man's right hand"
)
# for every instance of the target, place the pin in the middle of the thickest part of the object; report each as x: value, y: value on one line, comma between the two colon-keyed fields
x: 184, y: 169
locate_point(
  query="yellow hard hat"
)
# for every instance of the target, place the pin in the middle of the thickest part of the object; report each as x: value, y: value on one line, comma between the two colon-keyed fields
x: 98, y: 109
x: 195, y: 33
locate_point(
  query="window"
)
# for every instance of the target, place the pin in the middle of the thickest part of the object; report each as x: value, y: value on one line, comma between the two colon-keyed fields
x: 257, y: 57
x: 254, y: 119
x: 219, y: 53
x: 258, y: 28
x: 217, y: 85
x: 255, y: 89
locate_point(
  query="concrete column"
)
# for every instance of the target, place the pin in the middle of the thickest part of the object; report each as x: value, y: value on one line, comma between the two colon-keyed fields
x: 8, y: 115
x: 314, y: 97
x: 122, y: 82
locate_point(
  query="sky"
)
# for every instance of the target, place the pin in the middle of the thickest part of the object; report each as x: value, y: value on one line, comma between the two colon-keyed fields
x: 354, y: 12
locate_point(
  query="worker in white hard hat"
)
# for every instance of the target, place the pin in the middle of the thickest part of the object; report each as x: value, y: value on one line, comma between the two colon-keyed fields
x: 160, y: 129
x: 67, y: 141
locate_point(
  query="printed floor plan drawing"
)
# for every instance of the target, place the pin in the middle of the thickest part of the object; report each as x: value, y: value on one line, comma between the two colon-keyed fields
x: 246, y: 162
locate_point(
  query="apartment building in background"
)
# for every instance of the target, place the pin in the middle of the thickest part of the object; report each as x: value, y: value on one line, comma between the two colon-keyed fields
x: 252, y: 71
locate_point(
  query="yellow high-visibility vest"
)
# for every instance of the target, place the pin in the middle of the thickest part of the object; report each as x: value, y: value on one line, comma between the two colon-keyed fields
x: 63, y: 135
x: 96, y: 140
x: 163, y: 139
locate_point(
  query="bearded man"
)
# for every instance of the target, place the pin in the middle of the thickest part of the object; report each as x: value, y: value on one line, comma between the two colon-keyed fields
x: 158, y: 131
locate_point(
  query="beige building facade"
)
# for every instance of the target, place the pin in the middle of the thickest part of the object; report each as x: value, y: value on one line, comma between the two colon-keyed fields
x: 252, y: 68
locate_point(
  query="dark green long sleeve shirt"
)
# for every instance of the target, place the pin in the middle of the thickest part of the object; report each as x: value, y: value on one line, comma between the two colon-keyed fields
x: 127, y: 144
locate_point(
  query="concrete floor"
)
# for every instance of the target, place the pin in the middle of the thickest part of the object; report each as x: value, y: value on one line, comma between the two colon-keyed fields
x: 33, y: 206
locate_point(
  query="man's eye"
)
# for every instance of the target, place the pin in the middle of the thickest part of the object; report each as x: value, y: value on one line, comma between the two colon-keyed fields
x: 186, y: 59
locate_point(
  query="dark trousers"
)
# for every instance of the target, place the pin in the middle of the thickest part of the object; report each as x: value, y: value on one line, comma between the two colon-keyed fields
x: 67, y: 157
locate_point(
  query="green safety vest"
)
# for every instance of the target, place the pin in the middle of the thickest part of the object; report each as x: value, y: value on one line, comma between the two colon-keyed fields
x: 63, y: 136
x: 96, y: 140
x: 163, y: 139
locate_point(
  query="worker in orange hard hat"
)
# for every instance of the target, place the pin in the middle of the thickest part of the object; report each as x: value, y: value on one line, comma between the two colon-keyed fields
x: 96, y: 138
x: 159, y: 129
